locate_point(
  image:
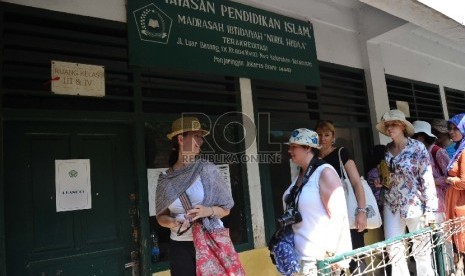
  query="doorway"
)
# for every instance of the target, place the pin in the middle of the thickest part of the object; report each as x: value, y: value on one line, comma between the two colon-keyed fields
x: 95, y: 241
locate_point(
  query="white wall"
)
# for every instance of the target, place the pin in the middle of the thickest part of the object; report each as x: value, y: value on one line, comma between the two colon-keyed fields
x: 335, y: 26
x: 411, y: 64
x: 114, y: 10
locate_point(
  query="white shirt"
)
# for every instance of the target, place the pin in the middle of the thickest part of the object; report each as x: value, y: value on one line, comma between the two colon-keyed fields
x: 196, y: 195
x: 318, y: 233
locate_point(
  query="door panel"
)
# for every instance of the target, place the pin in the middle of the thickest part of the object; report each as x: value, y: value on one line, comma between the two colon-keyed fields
x: 48, y: 232
x: 41, y: 241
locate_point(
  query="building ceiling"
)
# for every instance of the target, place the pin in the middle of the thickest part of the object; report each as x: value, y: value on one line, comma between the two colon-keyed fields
x: 424, y: 17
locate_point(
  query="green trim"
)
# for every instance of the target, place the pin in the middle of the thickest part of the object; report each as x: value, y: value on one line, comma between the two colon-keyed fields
x: 66, y: 115
x: 141, y: 175
x: 2, y: 185
x: 2, y: 205
x: 268, y: 206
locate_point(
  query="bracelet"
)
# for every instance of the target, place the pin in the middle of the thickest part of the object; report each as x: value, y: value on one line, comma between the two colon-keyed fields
x: 213, y: 212
x: 360, y: 210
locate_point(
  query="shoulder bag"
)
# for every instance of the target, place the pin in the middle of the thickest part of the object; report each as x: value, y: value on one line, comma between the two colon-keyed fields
x: 214, y: 251
x: 373, y: 215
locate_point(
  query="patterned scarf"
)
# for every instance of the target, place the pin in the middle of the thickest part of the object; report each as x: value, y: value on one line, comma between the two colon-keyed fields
x: 172, y: 184
x: 458, y: 121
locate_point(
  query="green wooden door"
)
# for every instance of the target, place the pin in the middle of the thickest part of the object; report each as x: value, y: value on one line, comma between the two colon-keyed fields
x: 42, y: 241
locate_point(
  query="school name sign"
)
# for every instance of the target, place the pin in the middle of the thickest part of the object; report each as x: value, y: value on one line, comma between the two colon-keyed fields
x: 221, y: 37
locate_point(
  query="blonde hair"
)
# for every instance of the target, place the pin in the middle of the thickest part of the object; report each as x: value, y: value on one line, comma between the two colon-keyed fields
x: 324, y: 125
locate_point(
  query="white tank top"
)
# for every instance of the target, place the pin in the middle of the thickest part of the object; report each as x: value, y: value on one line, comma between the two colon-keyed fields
x: 318, y: 233
x: 196, y: 194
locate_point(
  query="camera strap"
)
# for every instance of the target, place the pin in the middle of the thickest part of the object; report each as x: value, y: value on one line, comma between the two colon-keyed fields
x: 296, y: 190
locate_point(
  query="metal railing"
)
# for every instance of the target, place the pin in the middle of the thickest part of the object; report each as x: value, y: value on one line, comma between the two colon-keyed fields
x: 376, y: 259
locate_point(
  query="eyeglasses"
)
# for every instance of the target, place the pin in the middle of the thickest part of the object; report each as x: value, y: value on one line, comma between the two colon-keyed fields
x: 392, y: 166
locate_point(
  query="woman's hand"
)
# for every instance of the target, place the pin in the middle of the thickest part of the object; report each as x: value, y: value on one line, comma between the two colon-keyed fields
x: 182, y: 221
x: 200, y: 211
x: 361, y: 221
x: 452, y: 179
x: 377, y: 183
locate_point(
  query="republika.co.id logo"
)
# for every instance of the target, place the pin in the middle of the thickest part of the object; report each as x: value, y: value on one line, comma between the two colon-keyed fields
x: 153, y: 24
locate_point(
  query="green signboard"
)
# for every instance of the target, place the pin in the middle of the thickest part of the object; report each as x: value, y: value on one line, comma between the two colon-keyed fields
x: 221, y: 37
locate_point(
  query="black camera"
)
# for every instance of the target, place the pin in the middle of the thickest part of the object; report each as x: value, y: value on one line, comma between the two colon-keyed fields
x: 290, y: 217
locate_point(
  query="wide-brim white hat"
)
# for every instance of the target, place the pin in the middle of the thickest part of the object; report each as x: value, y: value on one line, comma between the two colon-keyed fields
x: 425, y: 127
x: 304, y: 137
x: 395, y: 115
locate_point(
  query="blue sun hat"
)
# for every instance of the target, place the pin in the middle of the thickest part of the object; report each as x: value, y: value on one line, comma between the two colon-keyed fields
x: 304, y: 137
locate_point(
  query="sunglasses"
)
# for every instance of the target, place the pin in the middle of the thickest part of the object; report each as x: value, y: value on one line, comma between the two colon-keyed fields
x: 392, y: 166
x: 179, y: 232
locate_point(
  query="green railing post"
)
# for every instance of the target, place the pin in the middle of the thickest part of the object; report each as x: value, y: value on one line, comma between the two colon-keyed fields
x: 439, y: 253
x: 323, y: 267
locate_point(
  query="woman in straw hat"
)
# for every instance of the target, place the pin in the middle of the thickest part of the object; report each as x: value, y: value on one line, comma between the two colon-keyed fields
x: 411, y: 200
x: 455, y: 197
x: 319, y: 198
x: 204, y: 185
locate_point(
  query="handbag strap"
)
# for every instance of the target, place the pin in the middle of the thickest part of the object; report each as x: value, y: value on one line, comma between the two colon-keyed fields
x: 341, y: 165
x: 187, y: 205
x: 185, y: 201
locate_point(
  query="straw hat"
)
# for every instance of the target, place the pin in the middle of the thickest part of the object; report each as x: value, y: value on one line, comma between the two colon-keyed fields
x: 425, y: 127
x: 395, y: 115
x: 185, y: 124
x: 304, y: 137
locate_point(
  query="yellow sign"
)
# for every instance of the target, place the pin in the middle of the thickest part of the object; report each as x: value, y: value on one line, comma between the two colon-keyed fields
x: 78, y: 79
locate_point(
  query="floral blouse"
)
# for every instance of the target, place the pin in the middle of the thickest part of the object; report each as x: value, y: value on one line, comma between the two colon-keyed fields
x: 412, y: 191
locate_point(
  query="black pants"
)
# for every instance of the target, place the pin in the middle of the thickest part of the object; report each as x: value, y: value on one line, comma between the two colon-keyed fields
x: 182, y: 258
x: 358, y: 241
